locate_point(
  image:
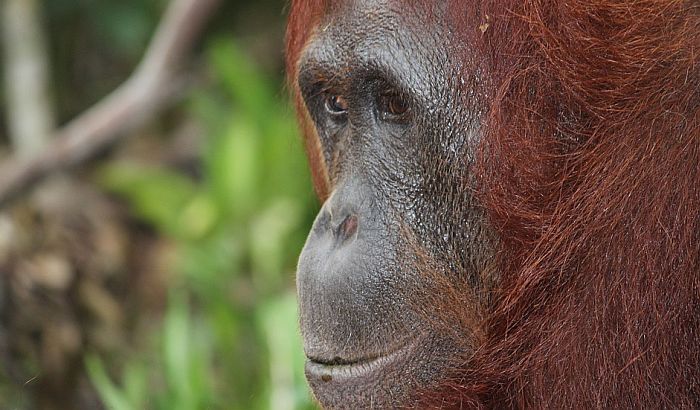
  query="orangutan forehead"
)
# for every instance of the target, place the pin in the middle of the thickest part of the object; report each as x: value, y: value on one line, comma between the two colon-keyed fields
x: 383, y: 11
x: 353, y: 19
x: 369, y: 29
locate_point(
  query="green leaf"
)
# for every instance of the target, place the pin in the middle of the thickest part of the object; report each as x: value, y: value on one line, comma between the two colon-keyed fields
x: 232, y: 165
x: 113, y: 398
x: 176, y: 352
x: 158, y: 196
x: 136, y: 383
x: 243, y: 80
x: 199, y: 217
x: 288, y: 389
x: 269, y: 237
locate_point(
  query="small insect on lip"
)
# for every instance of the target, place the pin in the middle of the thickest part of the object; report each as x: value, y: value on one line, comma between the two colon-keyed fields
x: 326, y: 378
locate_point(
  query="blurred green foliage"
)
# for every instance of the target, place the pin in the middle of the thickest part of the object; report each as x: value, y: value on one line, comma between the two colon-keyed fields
x: 229, y: 337
x: 126, y: 25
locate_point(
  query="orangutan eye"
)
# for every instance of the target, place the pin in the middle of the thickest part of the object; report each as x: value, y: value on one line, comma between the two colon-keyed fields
x: 335, y: 104
x: 393, y: 107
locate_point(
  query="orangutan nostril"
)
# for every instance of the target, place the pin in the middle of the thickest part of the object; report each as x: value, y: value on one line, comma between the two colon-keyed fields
x: 348, y: 227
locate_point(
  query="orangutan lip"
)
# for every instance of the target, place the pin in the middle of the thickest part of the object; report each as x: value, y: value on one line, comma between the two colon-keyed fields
x: 338, y: 368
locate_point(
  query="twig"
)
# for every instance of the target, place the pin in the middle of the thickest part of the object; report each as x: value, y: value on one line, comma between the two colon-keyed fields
x: 143, y: 94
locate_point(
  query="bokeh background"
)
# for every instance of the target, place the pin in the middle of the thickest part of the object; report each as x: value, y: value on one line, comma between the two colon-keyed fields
x: 154, y: 270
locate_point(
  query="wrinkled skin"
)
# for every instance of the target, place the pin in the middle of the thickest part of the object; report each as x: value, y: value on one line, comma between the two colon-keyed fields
x: 397, y: 133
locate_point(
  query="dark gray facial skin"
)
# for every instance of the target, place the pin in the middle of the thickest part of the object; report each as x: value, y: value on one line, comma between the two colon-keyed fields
x: 397, y: 135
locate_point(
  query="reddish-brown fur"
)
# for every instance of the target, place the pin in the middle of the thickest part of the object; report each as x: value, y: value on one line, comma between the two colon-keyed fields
x: 590, y: 174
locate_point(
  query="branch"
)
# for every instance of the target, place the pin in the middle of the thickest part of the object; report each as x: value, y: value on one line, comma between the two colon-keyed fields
x: 30, y: 114
x: 142, y: 95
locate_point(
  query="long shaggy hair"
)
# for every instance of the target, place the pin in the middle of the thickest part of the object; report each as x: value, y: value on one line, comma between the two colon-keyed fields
x: 589, y: 171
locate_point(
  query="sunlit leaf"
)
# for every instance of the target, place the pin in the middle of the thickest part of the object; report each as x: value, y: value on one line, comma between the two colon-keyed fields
x: 157, y: 196
x: 250, y: 90
x: 232, y: 165
x: 114, y: 398
x: 286, y: 358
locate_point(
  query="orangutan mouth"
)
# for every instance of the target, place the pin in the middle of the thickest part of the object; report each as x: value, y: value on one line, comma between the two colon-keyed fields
x: 345, y: 370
